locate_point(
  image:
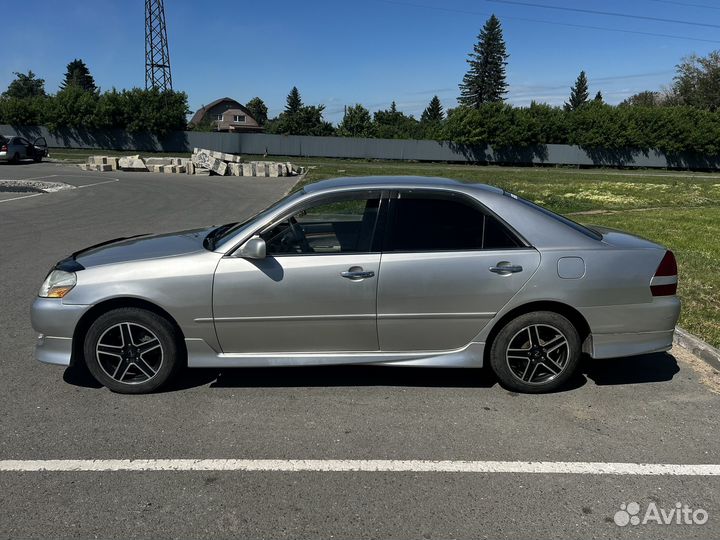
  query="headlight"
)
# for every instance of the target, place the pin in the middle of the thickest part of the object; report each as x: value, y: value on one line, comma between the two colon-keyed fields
x: 58, y: 284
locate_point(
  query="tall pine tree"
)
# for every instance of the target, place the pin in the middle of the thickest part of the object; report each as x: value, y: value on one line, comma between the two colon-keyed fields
x: 78, y: 75
x: 485, y: 80
x: 294, y: 103
x: 579, y: 93
x: 434, y: 111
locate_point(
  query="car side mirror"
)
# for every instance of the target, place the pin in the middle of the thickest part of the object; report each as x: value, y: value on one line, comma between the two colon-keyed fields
x: 253, y: 249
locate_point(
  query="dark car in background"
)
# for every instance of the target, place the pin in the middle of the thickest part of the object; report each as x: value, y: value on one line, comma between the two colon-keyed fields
x: 14, y: 148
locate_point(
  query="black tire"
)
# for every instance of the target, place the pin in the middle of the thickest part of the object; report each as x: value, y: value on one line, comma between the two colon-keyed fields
x: 15, y: 158
x: 138, y: 365
x: 37, y: 159
x: 538, y: 360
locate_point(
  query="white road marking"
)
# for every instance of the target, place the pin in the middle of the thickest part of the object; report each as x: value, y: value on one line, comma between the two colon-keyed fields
x: 23, y: 197
x: 99, y: 183
x: 358, y: 465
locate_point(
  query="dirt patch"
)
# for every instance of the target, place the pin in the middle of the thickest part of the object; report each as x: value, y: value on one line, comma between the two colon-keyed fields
x: 709, y: 376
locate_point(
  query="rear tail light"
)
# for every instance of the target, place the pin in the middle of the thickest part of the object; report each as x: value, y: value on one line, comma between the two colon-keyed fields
x: 665, y: 280
x: 3, y: 148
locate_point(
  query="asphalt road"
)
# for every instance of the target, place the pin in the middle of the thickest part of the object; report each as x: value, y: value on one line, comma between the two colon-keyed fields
x: 651, y: 409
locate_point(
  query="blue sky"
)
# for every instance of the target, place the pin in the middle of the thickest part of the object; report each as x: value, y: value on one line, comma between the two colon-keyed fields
x: 370, y: 51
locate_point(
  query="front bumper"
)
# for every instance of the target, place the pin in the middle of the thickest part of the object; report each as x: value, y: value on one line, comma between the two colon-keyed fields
x: 56, y: 323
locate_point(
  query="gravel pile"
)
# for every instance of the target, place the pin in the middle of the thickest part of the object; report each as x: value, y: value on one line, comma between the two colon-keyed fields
x: 32, y: 186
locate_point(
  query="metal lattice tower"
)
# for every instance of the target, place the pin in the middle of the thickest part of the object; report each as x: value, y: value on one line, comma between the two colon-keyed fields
x: 157, y: 57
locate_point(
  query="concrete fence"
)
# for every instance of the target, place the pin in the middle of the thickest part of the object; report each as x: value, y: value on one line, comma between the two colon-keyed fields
x: 347, y: 147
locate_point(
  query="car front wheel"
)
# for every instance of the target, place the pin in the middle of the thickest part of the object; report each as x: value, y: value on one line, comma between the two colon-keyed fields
x: 131, y: 350
x: 536, y: 352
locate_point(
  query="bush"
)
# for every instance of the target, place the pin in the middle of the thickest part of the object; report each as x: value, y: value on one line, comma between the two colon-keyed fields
x: 134, y: 110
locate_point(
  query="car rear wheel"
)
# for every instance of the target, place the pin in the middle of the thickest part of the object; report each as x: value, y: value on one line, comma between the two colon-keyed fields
x: 131, y: 350
x: 37, y: 159
x: 15, y: 158
x: 536, y: 352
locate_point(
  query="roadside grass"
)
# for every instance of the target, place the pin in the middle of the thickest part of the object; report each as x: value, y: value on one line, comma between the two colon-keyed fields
x: 678, y: 209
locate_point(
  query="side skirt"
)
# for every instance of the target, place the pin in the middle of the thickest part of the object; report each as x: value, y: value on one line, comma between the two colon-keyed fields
x: 201, y: 355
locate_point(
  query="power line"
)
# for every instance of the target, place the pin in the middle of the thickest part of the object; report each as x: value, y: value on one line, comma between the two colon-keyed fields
x: 686, y: 4
x: 554, y: 23
x: 605, y: 13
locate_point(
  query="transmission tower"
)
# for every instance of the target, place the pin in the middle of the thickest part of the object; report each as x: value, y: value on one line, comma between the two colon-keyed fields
x: 157, y: 57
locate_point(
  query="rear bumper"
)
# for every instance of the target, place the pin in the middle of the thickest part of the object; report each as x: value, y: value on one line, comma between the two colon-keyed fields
x: 619, y: 345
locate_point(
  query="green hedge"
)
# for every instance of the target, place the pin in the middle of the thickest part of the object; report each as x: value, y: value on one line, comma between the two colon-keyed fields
x: 594, y: 125
x: 135, y: 110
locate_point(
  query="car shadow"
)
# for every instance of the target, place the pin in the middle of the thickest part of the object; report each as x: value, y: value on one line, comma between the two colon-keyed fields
x: 652, y: 368
x: 647, y: 368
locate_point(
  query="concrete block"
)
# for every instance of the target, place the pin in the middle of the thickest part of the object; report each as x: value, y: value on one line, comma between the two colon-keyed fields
x: 168, y: 169
x: 158, y: 161
x: 247, y: 169
x: 190, y: 168
x: 282, y: 170
x: 219, y: 167
x: 132, y: 163
x: 202, y: 172
x: 106, y: 167
x: 261, y: 168
x: 180, y: 169
x: 273, y: 170
x: 202, y: 159
x: 231, y: 158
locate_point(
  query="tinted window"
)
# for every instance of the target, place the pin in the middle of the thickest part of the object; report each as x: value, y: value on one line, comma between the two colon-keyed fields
x: 443, y: 224
x: 340, y: 226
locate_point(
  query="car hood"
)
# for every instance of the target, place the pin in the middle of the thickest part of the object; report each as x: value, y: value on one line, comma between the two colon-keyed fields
x: 142, y: 247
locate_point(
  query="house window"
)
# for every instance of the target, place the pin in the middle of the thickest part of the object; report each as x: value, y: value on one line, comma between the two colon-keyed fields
x: 239, y: 118
x: 219, y: 117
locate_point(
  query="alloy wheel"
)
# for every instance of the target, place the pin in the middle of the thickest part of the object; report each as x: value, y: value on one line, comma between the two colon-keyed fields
x: 537, y: 354
x: 129, y: 353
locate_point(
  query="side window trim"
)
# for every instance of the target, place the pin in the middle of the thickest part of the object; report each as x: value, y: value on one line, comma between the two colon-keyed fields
x: 395, y: 195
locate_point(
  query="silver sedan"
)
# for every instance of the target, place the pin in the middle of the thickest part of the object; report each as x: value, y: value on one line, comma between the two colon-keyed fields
x: 408, y: 271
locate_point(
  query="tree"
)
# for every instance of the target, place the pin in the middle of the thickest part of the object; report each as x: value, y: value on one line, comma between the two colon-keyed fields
x: 25, y: 86
x: 434, y: 112
x: 78, y: 75
x: 644, y: 99
x: 392, y: 124
x: 356, y: 122
x: 579, y: 93
x: 485, y: 80
x: 599, y: 97
x: 300, y: 119
x: 294, y: 103
x: 258, y: 110
x: 697, y: 82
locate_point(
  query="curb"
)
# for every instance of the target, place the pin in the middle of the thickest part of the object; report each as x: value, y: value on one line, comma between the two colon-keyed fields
x: 698, y: 347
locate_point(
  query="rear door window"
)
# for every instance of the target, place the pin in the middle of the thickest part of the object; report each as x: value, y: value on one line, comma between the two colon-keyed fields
x: 444, y: 222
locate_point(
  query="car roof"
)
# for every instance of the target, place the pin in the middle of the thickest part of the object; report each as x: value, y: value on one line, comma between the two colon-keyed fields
x: 393, y: 182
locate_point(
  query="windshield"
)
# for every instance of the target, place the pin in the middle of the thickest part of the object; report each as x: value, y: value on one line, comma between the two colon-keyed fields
x: 562, y: 219
x: 225, y: 232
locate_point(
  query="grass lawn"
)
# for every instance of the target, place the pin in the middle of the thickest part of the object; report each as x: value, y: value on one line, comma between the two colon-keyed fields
x: 678, y: 209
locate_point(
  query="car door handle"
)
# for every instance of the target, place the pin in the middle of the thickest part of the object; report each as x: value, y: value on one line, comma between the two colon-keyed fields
x: 506, y: 269
x: 357, y: 274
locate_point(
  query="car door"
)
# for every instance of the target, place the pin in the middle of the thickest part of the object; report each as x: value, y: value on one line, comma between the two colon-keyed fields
x: 315, y: 291
x: 24, y: 148
x: 448, y: 266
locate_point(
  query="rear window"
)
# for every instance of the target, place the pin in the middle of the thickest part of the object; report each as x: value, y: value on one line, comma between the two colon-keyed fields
x: 582, y: 229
